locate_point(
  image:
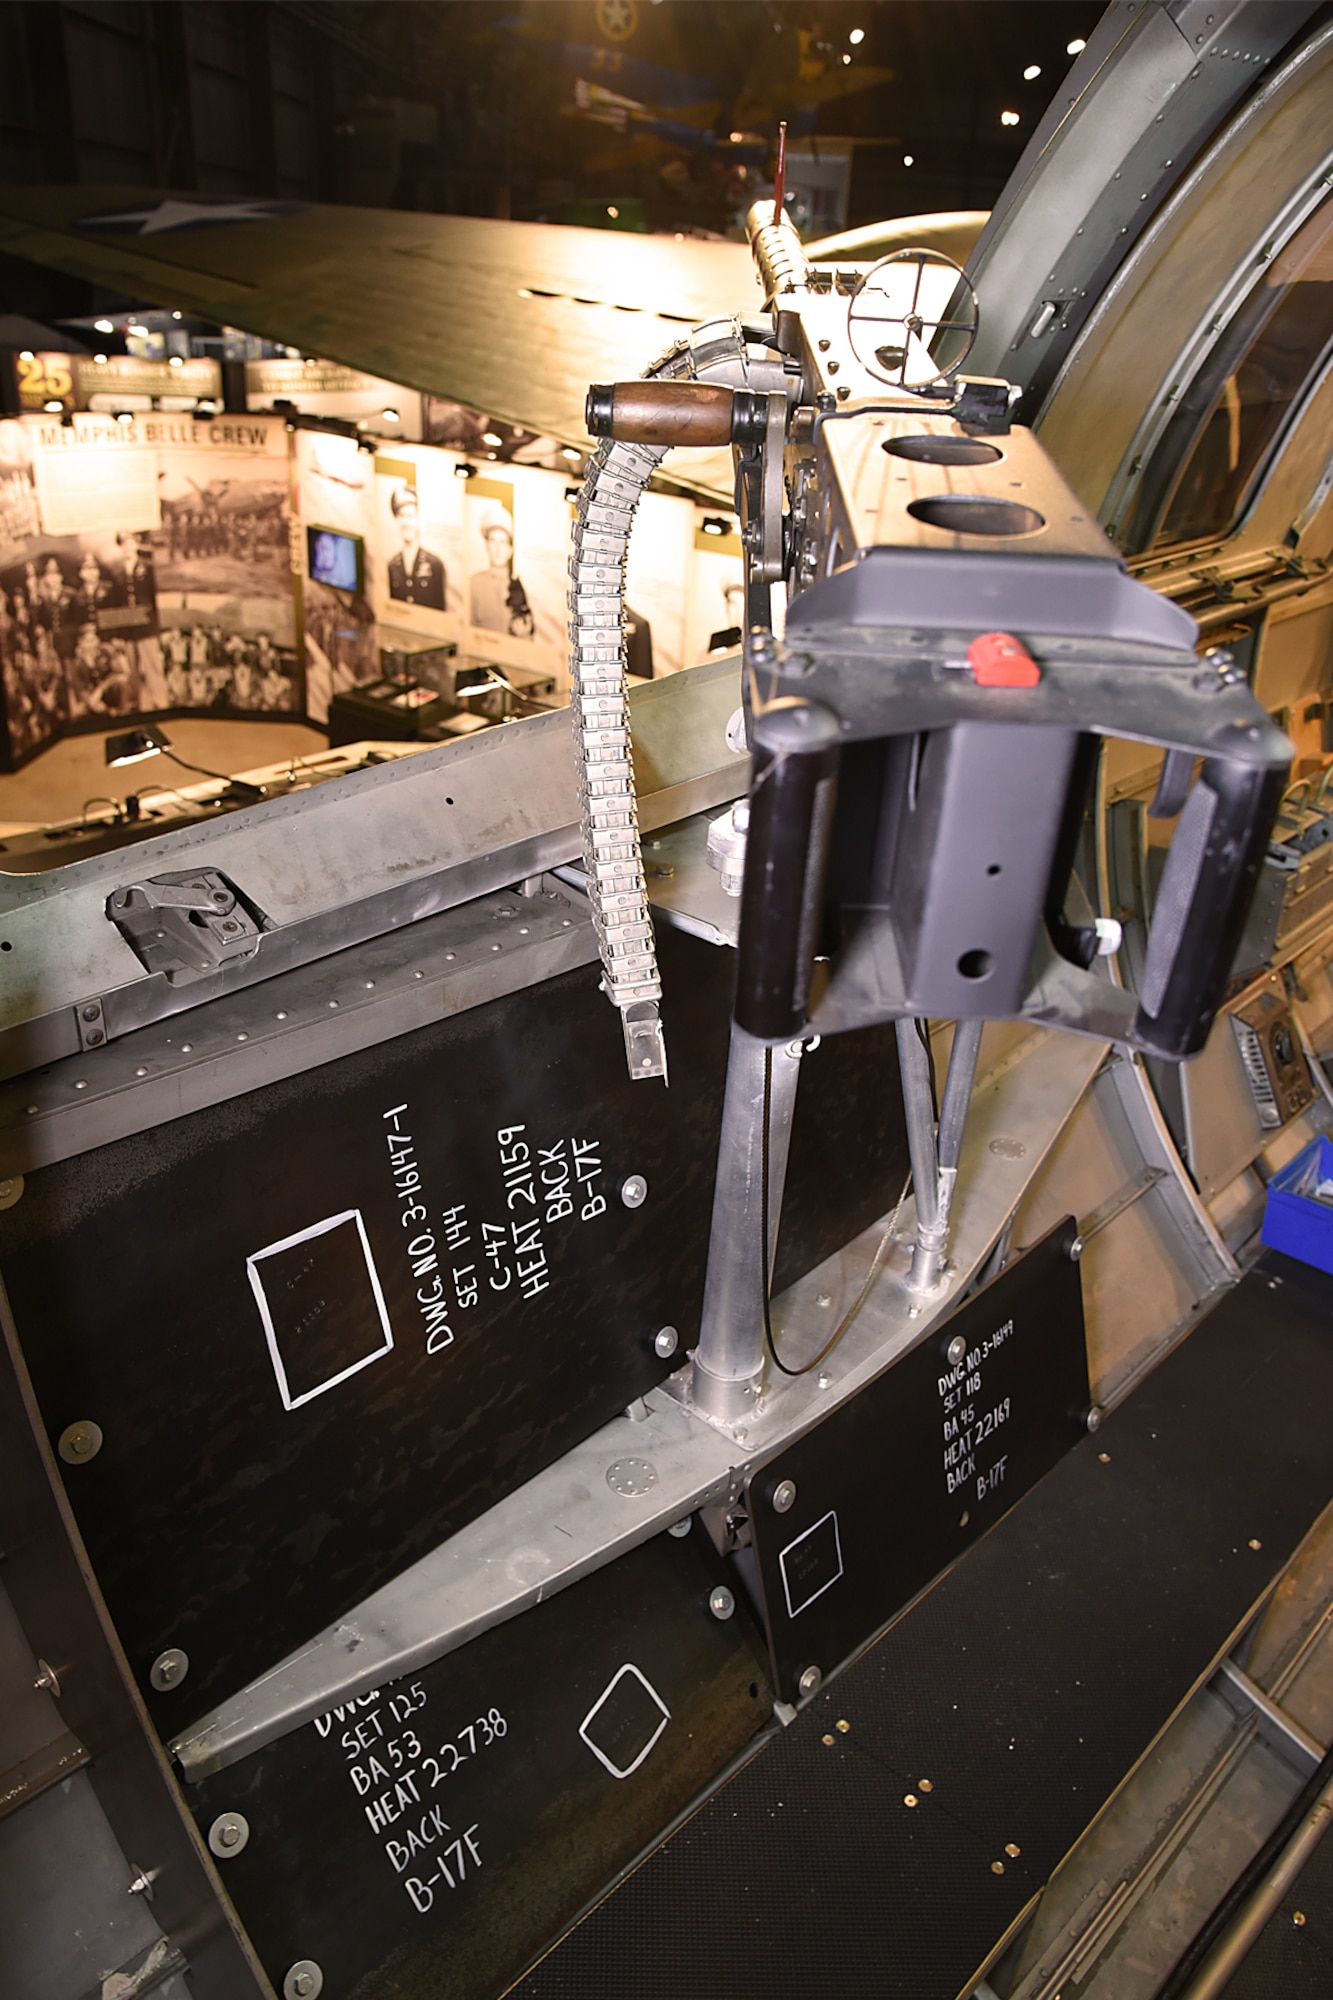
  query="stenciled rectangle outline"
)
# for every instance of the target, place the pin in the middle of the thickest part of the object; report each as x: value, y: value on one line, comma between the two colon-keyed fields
x: 795, y: 1544
x: 266, y: 1317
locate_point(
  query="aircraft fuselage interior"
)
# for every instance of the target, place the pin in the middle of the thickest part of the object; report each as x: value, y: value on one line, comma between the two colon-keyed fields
x: 671, y: 1333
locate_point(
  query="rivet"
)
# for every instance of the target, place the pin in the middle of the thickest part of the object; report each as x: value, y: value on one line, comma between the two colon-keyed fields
x: 242, y: 1036
x: 828, y: 1739
x: 997, y: 1868
x: 843, y: 1725
x: 281, y: 1014
x: 228, y: 1835
x: 169, y: 1669
x: 333, y: 1003
x: 141, y: 1072
x: 910, y: 1799
x: 925, y: 1785
x: 1255, y: 1543
x: 370, y: 986
x: 79, y: 1442
x: 80, y: 1085
x: 495, y: 947
x: 1104, y: 1457
x: 1012, y: 1849
x: 186, y: 1047
x: 448, y: 955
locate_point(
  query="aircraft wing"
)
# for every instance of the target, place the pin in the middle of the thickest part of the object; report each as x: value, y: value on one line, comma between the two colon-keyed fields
x: 513, y: 318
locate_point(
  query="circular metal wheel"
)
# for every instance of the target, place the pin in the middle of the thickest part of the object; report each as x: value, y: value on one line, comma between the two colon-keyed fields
x: 890, y: 335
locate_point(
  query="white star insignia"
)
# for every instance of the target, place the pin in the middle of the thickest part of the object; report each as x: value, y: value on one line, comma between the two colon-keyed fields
x: 171, y: 214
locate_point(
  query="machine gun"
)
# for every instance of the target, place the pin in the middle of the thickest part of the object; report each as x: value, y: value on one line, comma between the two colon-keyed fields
x: 960, y: 639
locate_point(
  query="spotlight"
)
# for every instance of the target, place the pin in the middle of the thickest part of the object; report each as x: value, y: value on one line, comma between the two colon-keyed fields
x: 909, y: 159
x: 1076, y: 47
x: 1008, y: 118
x: 1032, y: 71
x: 856, y: 37
x: 135, y: 744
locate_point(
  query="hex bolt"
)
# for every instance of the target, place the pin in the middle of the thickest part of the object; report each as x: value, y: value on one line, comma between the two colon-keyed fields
x: 634, y: 1191
x: 810, y: 1680
x: 721, y: 1601
x: 169, y: 1669
x: 142, y: 1885
x: 1076, y: 1249
x: 784, y: 1496
x: 228, y: 1834
x: 80, y: 1442
x: 304, y: 1981
x: 665, y: 1342
x: 1094, y: 1418
x: 956, y: 1349
x: 48, y: 1680
x: 681, y: 1528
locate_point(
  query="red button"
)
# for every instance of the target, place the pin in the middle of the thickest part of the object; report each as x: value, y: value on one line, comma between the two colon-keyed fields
x: 998, y: 660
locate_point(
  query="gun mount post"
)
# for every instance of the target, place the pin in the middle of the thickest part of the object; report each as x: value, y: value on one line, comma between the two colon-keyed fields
x: 729, y: 1360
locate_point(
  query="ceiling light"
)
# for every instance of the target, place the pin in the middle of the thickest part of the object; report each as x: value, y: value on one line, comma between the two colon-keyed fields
x: 51, y: 408
x: 1008, y: 118
x: 856, y: 37
x: 491, y: 437
x: 389, y: 416
x: 104, y: 325
x: 1032, y: 71
x: 1076, y: 47
x: 909, y: 159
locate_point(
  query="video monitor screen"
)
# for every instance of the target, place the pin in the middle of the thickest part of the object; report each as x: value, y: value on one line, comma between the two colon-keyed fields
x: 336, y: 559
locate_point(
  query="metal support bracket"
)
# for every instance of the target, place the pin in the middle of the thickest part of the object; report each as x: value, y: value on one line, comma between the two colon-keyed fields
x: 1272, y: 1724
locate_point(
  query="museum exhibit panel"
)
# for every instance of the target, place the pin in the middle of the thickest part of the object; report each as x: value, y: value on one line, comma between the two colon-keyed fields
x: 668, y: 1318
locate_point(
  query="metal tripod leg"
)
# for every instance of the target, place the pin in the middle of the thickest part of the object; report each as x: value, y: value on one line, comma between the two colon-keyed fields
x: 729, y: 1360
x: 934, y: 1171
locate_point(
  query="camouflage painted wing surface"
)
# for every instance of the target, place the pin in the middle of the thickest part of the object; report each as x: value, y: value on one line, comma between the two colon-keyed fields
x: 511, y: 318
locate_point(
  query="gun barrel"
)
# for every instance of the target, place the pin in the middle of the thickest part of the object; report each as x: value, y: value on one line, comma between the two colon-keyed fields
x: 777, y: 251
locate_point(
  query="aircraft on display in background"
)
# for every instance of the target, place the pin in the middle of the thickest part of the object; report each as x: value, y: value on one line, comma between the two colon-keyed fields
x: 879, y: 1537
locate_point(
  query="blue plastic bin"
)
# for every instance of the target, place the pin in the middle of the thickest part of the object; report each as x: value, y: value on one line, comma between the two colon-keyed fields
x: 1293, y: 1220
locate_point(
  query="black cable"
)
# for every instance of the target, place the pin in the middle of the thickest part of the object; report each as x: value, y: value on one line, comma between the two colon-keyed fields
x: 870, y: 1276
x: 923, y: 1036
x: 1246, y: 1882
x: 237, y: 784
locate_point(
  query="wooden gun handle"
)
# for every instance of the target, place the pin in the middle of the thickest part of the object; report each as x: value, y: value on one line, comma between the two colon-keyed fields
x: 698, y: 413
